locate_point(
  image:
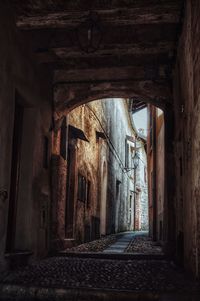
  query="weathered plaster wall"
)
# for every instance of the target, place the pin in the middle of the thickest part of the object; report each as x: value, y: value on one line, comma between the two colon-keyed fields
x: 160, y: 170
x: 156, y: 171
x: 88, y: 162
x: 120, y: 182
x: 187, y: 135
x: 18, y: 73
x: 151, y: 168
x: 142, y: 187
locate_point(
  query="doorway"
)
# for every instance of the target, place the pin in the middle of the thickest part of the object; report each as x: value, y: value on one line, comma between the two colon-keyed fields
x: 117, y: 197
x: 15, y: 172
x: 69, y: 214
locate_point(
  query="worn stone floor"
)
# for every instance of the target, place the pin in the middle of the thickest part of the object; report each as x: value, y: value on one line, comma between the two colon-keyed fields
x: 142, y: 243
x: 152, y: 277
x: 64, y: 272
x: 135, y: 242
x: 96, y: 245
x: 121, y: 243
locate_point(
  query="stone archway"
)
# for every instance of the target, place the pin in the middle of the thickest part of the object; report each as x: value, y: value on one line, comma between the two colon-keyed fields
x: 67, y: 96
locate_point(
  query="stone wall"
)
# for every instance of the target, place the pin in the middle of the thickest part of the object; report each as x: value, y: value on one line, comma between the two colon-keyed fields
x: 24, y: 82
x: 187, y: 139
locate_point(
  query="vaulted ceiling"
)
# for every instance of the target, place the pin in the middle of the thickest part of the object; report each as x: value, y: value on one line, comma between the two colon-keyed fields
x: 134, y: 47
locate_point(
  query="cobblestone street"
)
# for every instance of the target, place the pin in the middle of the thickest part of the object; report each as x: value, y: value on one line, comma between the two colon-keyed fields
x: 142, y: 243
x: 137, y: 242
x: 94, y: 246
x: 143, y: 275
x: 131, y: 275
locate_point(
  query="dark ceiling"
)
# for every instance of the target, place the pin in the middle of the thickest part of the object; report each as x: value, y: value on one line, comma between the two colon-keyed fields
x: 134, y: 46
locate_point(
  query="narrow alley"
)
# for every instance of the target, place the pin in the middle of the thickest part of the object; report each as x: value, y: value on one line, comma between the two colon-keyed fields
x: 100, y: 150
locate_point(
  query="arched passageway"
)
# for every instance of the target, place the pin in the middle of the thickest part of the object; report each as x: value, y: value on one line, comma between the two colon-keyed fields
x: 68, y: 53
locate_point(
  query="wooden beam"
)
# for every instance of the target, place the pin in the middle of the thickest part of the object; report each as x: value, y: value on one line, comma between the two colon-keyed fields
x: 112, y: 62
x: 146, y: 61
x: 115, y: 56
x: 116, y: 50
x: 29, y: 7
x: 45, y: 39
x: 110, y: 74
x: 156, y: 14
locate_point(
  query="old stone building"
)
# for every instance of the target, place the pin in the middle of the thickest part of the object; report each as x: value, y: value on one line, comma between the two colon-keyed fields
x: 59, y: 55
x: 104, y: 190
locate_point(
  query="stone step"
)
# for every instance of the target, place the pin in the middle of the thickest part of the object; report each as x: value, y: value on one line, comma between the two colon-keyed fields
x: 20, y: 293
x: 112, y: 255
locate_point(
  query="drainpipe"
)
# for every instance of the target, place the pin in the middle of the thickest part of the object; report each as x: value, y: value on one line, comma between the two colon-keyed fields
x: 135, y: 167
x: 134, y: 199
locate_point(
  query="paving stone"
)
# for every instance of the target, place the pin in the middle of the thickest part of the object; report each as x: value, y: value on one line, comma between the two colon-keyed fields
x: 99, y: 273
x: 143, y: 244
x: 96, y: 245
x: 121, y: 243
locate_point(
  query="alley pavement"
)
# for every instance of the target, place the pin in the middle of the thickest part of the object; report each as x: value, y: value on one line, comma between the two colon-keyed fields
x: 121, y: 243
x: 130, y: 241
x: 63, y: 272
x: 137, y: 275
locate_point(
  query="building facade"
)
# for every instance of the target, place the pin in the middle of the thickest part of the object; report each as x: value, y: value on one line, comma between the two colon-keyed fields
x: 156, y: 170
x: 142, y: 202
x: 105, y: 193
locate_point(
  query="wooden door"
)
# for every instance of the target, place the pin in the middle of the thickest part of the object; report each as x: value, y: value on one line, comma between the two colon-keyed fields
x: 69, y: 214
